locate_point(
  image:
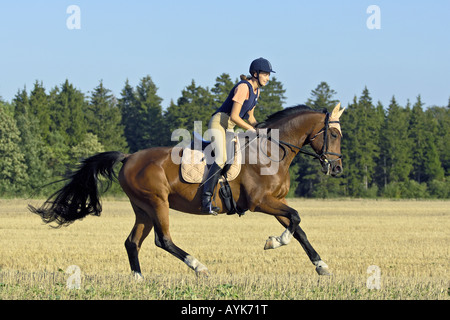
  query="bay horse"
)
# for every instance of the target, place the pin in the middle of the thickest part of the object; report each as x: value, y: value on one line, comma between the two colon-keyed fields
x: 153, y: 184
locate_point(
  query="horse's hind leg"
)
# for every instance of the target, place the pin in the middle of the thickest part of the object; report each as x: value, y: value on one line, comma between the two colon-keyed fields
x: 164, y: 240
x: 140, y: 231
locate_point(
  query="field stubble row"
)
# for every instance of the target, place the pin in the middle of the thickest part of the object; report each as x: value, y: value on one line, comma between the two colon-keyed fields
x: 407, y: 240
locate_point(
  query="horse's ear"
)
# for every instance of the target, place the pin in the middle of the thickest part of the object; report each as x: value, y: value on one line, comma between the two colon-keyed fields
x: 337, y: 112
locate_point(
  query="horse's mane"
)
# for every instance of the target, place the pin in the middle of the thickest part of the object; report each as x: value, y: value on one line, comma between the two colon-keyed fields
x: 286, y: 113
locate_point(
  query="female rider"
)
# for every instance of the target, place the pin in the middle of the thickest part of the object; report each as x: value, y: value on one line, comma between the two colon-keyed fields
x: 238, y: 106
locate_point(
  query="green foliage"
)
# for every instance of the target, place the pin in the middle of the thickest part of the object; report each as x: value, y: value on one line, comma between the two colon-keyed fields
x: 395, y: 152
x: 87, y: 147
x: 396, y: 143
x: 406, y: 190
x: 222, y: 88
x: 362, y: 122
x: 142, y: 115
x: 195, y: 104
x: 310, y: 181
x: 271, y: 99
x: 13, y: 174
x: 104, y: 118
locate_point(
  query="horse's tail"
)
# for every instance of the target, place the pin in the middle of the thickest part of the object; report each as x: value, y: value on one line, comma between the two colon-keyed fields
x: 80, y: 196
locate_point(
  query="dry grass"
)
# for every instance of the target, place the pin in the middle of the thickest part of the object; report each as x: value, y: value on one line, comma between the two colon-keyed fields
x: 408, y: 240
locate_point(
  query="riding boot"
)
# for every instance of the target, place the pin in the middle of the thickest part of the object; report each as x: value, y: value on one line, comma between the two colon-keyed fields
x: 208, y: 189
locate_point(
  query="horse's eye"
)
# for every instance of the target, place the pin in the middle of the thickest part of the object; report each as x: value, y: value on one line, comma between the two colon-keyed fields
x: 333, y: 135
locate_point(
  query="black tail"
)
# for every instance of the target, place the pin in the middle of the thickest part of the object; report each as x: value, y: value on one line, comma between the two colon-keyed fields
x: 80, y: 196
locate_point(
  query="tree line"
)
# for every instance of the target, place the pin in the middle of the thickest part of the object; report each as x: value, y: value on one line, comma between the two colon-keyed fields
x: 394, y: 151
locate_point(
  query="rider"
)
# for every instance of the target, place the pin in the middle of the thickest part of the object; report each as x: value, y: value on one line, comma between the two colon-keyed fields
x: 238, y: 106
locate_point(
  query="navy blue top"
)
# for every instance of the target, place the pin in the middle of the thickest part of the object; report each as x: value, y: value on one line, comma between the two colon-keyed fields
x: 248, y: 105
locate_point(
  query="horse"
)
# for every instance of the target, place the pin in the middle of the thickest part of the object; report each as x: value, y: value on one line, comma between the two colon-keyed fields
x: 151, y: 180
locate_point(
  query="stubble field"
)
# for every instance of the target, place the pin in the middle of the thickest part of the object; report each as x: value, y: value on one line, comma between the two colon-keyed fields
x: 408, y: 241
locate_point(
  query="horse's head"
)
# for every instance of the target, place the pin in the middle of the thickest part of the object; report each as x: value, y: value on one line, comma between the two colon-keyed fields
x: 326, y: 142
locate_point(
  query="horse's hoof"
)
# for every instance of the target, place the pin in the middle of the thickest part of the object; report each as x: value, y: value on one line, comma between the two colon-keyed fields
x: 321, y: 271
x: 322, y: 268
x: 269, y: 243
x: 138, y: 276
x: 204, y: 273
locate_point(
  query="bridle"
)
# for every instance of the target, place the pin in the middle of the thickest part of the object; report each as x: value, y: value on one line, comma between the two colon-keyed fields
x: 322, y: 157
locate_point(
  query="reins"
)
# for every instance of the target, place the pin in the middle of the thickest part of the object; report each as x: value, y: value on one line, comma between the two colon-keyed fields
x: 321, y: 157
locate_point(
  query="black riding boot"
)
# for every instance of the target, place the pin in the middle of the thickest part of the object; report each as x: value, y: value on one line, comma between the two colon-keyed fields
x: 208, y: 189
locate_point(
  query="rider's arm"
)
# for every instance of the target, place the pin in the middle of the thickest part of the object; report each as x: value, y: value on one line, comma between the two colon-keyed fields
x: 237, y: 119
x: 251, y: 118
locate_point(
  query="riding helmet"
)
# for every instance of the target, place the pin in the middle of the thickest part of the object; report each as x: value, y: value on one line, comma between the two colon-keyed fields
x: 259, y: 65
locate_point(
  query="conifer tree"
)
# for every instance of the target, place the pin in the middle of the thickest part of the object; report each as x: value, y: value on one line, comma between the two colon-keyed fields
x: 311, y: 181
x: 128, y: 110
x: 150, y: 125
x: 322, y: 97
x: 68, y: 113
x: 432, y: 167
x: 104, y: 119
x: 36, y: 152
x: 195, y: 104
x: 417, y: 132
x: 221, y: 89
x: 271, y: 100
x: 396, y: 147
x: 142, y: 115
x: 40, y: 109
x: 13, y: 174
x: 442, y: 136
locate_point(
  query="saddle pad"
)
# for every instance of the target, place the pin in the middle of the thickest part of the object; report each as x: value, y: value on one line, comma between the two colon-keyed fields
x: 193, y: 165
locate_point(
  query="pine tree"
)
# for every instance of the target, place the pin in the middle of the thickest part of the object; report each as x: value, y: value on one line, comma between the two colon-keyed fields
x: 417, y: 133
x: 271, y: 100
x: 104, y: 119
x: 40, y: 109
x: 379, y: 176
x: 360, y: 146
x: 68, y: 113
x: 322, y: 97
x: 349, y: 146
x: 311, y: 181
x: 36, y: 153
x: 442, y: 138
x: 195, y: 104
x: 141, y: 110
x: 396, y: 145
x: 221, y: 89
x: 150, y: 125
x: 128, y: 110
x: 368, y: 132
x: 432, y: 167
x: 13, y: 174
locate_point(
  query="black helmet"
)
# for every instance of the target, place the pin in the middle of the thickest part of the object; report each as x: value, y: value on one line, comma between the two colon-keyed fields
x: 259, y: 65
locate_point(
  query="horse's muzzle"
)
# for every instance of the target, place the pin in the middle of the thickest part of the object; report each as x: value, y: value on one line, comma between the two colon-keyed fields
x: 333, y: 167
x: 336, y: 170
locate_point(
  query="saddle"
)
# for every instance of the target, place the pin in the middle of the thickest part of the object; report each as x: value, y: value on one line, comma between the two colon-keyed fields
x: 194, y: 168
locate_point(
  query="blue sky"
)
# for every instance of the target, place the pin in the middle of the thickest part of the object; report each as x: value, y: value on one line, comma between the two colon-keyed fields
x: 177, y: 41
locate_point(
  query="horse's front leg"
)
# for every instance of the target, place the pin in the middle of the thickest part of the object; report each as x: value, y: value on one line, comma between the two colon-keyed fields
x: 299, y: 234
x: 277, y: 208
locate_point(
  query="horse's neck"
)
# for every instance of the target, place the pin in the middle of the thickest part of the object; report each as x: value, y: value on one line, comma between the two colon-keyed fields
x: 297, y: 129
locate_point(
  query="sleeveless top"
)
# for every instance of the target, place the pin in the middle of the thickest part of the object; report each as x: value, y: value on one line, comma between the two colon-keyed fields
x: 248, y: 104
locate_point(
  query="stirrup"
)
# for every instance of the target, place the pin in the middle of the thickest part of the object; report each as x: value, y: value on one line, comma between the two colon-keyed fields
x: 211, y: 210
